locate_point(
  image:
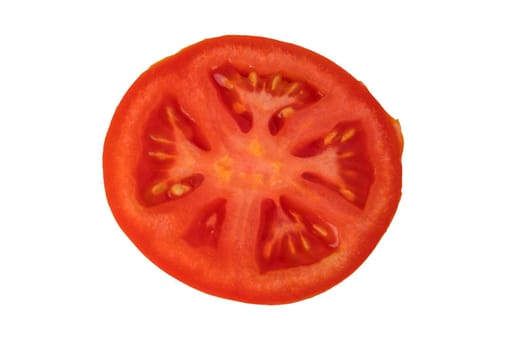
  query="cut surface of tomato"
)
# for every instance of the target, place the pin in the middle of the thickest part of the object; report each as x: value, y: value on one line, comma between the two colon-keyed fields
x: 252, y: 169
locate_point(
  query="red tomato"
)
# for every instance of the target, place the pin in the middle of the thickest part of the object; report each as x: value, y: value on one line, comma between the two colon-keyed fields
x: 252, y: 169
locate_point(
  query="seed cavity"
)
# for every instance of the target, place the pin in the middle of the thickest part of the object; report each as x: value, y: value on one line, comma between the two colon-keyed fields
x: 206, y: 226
x: 292, y: 236
x: 273, y: 96
x: 180, y: 121
x: 344, y: 152
x: 172, y: 144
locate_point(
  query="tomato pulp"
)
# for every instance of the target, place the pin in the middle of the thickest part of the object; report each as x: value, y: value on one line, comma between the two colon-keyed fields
x: 252, y: 169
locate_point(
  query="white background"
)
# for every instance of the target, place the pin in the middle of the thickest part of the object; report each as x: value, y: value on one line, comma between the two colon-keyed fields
x: 449, y: 273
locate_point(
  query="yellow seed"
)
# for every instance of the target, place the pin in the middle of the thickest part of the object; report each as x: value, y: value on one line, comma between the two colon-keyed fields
x: 170, y: 112
x: 238, y: 107
x: 171, y: 115
x: 320, y: 230
x: 347, y: 135
x: 291, y: 246
x: 347, y: 194
x: 276, y: 81
x: 305, y: 243
x: 286, y: 112
x: 346, y: 154
x: 161, y: 155
x: 228, y: 84
x: 291, y: 88
x: 252, y: 78
x: 223, y: 81
x: 267, y: 250
x: 159, y: 188
x: 161, y: 139
x: 179, y: 189
x: 297, y: 217
x: 330, y: 137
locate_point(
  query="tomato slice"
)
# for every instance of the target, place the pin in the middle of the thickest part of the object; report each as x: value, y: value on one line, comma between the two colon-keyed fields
x: 252, y: 169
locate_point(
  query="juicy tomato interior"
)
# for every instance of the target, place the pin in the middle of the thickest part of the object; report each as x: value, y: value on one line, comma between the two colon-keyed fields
x: 252, y: 169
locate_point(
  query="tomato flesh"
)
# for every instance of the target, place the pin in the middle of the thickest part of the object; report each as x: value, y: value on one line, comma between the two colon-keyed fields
x: 252, y: 169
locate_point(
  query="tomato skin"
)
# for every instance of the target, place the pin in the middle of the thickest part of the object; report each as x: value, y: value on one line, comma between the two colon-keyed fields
x: 191, y: 229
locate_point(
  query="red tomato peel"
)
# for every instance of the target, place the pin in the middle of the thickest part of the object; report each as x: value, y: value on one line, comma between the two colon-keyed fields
x: 252, y: 169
